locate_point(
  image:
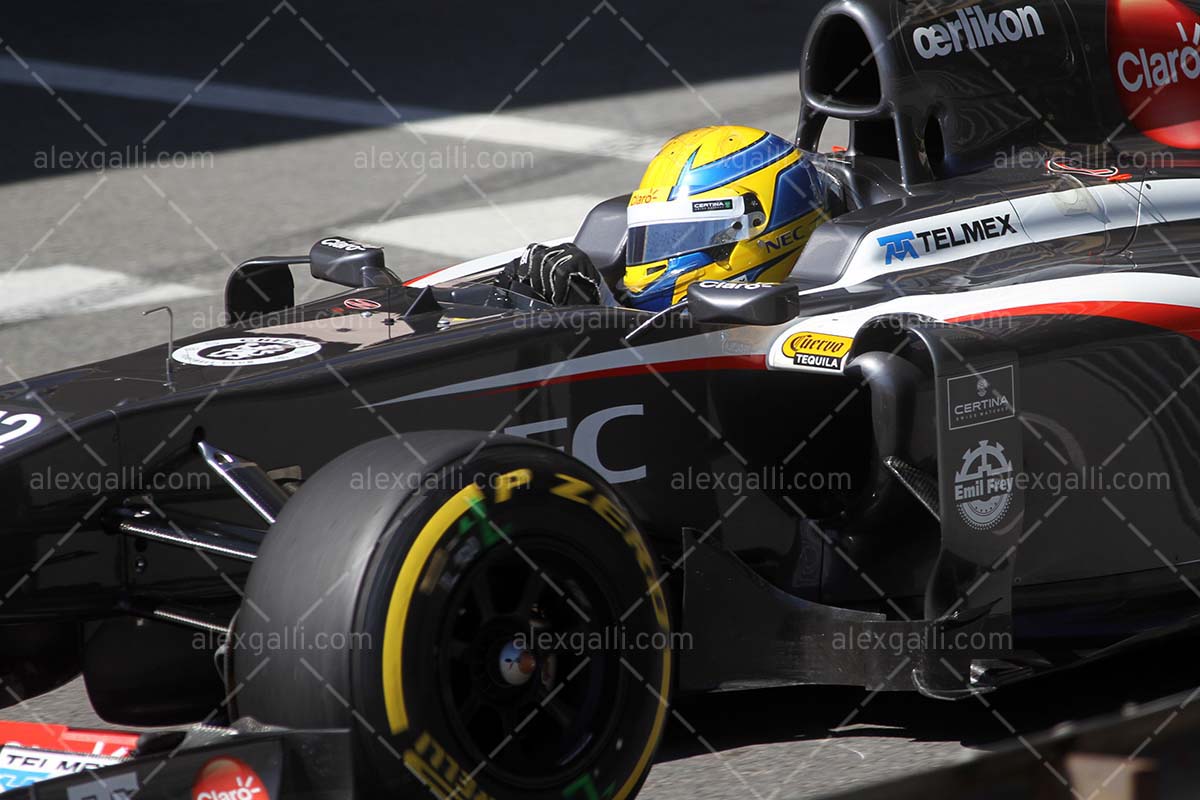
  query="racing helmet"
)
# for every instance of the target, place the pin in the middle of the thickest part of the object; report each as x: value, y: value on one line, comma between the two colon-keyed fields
x: 724, y: 202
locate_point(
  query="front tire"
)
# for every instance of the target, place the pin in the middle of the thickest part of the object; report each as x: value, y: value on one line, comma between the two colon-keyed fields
x: 485, y: 616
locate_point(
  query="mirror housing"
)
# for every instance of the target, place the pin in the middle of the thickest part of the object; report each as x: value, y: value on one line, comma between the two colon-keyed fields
x: 260, y: 286
x: 743, y: 303
x: 349, y: 263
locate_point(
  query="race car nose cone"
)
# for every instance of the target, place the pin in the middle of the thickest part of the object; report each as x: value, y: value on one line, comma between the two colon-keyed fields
x: 516, y: 665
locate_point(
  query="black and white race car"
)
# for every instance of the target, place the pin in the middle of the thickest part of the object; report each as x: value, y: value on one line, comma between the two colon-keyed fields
x: 957, y: 447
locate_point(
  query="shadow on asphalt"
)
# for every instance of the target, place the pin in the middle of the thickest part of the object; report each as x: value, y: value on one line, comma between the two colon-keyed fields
x: 740, y: 719
x: 472, y: 56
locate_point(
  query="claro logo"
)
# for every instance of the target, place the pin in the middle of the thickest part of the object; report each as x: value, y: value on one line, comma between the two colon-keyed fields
x: 1154, y: 49
x: 1137, y: 71
x: 973, y: 29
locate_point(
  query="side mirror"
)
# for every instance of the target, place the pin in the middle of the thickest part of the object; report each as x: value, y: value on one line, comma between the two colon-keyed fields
x: 743, y: 303
x: 260, y: 286
x: 344, y: 261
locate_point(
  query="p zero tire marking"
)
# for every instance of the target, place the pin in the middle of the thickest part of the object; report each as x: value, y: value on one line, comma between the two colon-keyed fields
x: 576, y: 490
x: 422, y: 549
x: 406, y: 585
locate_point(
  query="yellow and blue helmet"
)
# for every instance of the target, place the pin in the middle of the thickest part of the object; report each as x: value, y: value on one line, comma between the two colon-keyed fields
x: 719, y: 203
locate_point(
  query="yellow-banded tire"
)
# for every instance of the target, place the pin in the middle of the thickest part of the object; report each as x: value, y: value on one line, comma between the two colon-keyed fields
x: 484, y: 614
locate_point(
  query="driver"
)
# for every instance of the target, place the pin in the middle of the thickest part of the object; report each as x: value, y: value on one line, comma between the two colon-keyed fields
x: 718, y: 203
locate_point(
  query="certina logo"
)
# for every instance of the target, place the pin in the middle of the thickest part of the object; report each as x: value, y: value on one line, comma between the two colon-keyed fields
x: 973, y: 29
x: 899, y: 246
x: 712, y: 205
x: 976, y: 398
x: 983, y: 485
x: 1154, y: 50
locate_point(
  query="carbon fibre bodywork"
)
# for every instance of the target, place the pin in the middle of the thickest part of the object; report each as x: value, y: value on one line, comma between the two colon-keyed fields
x: 926, y: 452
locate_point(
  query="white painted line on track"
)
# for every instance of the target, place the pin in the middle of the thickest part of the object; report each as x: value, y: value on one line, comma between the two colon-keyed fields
x: 467, y: 232
x: 66, y: 289
x: 491, y: 128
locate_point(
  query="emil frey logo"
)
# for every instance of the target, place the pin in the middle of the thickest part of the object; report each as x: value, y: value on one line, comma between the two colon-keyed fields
x: 983, y: 485
x: 899, y: 246
x: 1154, y: 51
x: 972, y: 29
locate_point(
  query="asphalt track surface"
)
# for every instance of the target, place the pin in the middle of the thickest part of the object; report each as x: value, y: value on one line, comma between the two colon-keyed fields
x: 445, y: 134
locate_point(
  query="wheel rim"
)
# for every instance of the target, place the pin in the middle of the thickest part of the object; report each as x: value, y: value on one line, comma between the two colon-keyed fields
x: 523, y: 692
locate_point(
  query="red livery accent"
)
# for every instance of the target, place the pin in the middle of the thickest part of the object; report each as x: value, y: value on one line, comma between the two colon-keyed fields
x: 709, y: 364
x: 1154, y: 50
x: 62, y: 739
x: 411, y: 281
x: 1181, y: 319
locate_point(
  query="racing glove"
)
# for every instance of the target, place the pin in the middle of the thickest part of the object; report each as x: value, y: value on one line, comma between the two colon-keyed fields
x: 561, y: 275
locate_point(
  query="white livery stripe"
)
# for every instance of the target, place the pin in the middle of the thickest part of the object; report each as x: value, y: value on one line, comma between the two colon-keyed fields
x: 1037, y: 219
x: 1119, y: 287
x: 1172, y: 200
x: 67, y: 289
x: 1076, y: 212
x: 750, y: 343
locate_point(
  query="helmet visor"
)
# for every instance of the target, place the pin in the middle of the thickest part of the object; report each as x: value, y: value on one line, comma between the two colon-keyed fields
x: 659, y: 241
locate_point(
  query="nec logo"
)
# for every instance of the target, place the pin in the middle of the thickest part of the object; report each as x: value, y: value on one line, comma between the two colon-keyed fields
x: 900, y: 246
x: 784, y: 240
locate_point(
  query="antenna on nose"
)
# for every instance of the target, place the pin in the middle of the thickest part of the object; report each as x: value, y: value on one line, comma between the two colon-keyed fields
x: 170, y: 339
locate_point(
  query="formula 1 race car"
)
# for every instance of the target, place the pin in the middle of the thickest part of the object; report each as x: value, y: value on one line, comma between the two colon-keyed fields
x: 955, y: 448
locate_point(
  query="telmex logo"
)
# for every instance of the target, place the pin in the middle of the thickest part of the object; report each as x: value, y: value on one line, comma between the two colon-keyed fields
x: 1154, y: 47
x: 972, y: 29
x: 899, y: 246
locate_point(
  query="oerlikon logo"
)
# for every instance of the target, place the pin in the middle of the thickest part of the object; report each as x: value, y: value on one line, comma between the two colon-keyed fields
x: 1154, y: 49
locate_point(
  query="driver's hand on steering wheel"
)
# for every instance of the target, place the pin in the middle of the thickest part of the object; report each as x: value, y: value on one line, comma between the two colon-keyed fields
x: 561, y: 274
